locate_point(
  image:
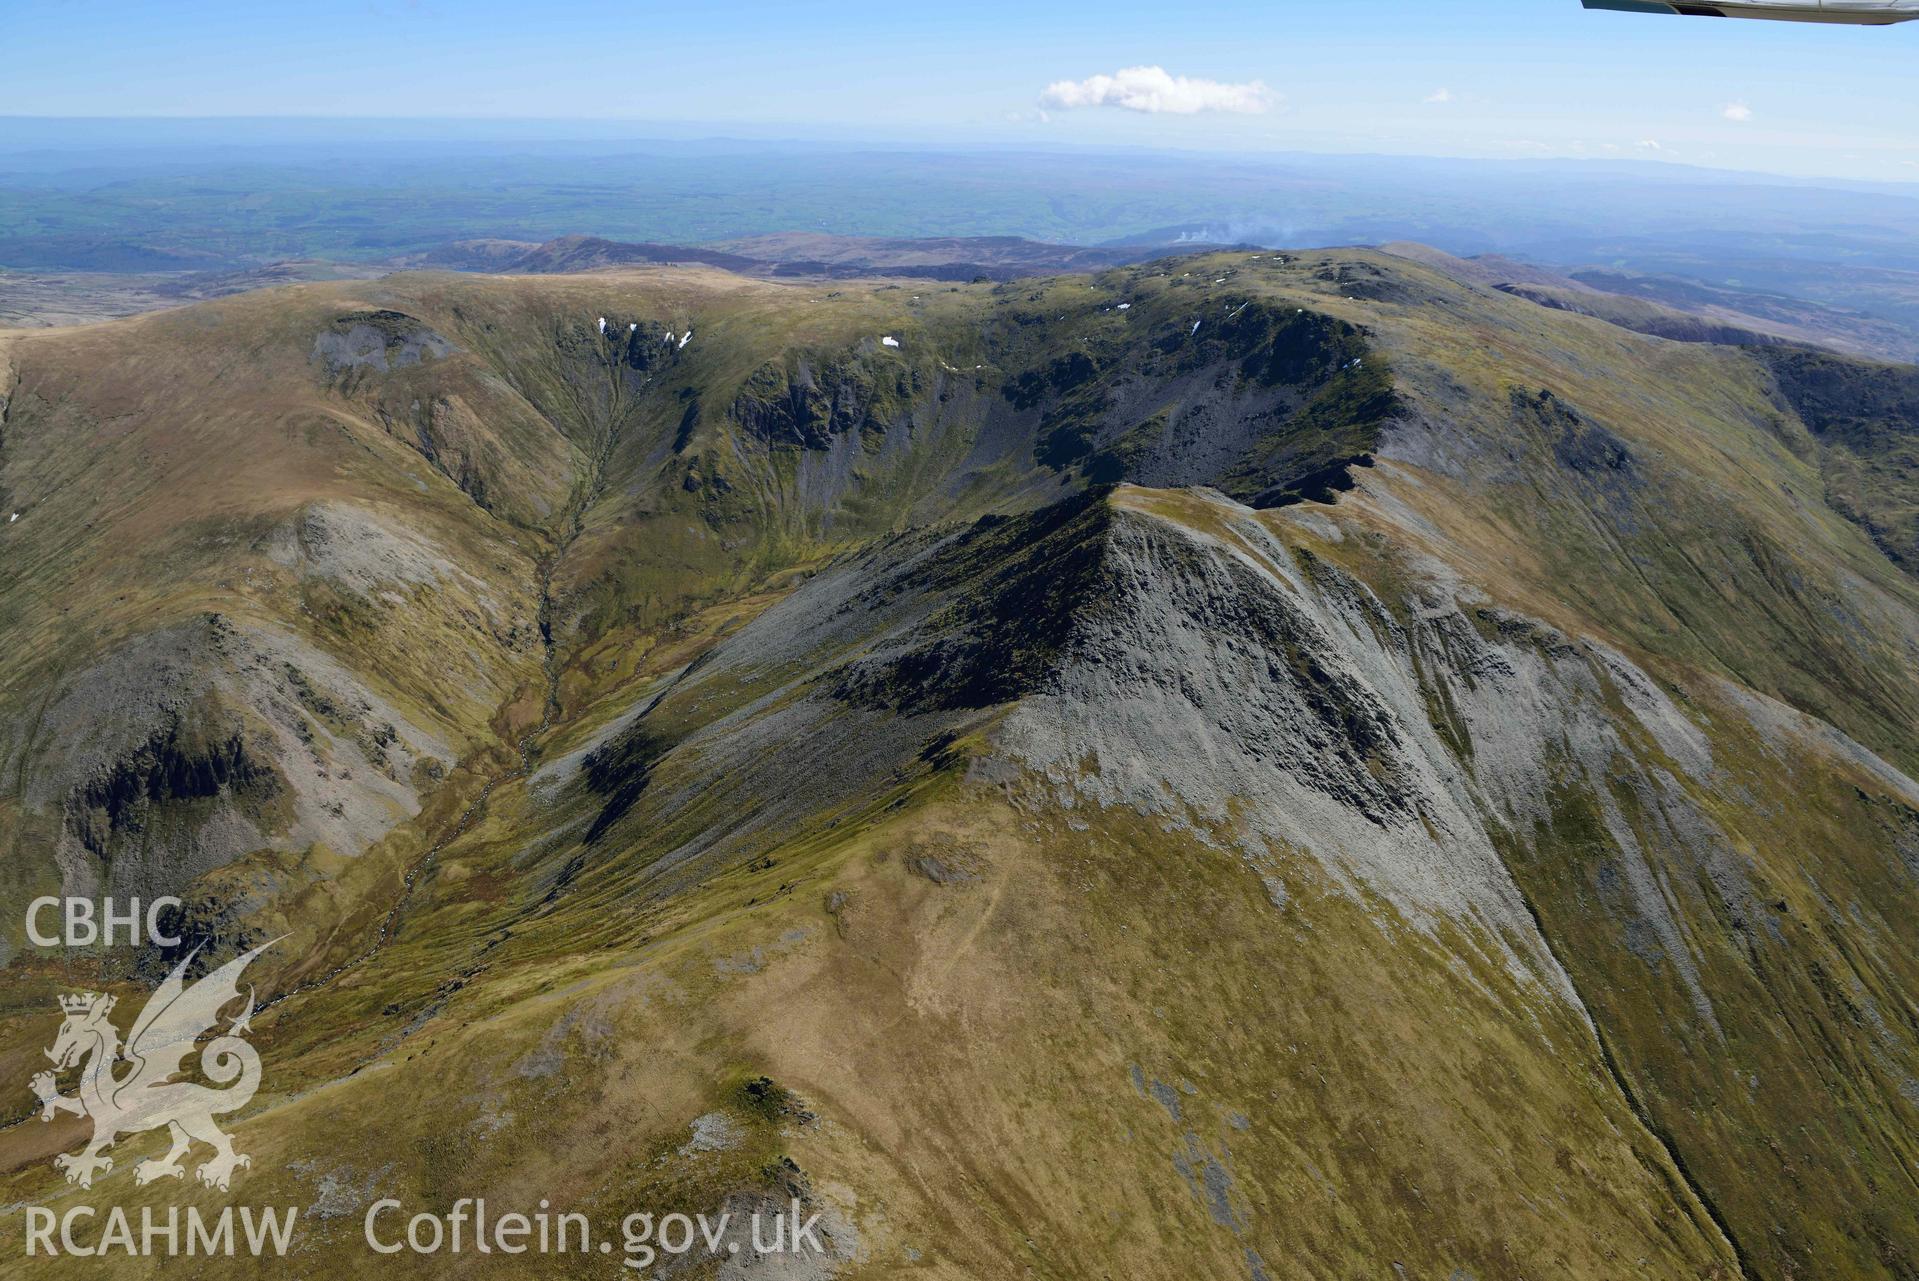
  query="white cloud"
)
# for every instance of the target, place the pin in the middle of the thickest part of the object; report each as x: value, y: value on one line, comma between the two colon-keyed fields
x: 1736, y: 111
x: 1651, y: 145
x: 1152, y: 90
x: 1440, y: 95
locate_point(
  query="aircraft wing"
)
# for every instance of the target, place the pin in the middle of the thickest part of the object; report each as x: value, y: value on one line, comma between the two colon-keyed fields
x: 1861, y: 13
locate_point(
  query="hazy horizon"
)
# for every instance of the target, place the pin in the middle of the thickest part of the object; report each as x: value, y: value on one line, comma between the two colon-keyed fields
x: 72, y: 142
x: 1485, y: 79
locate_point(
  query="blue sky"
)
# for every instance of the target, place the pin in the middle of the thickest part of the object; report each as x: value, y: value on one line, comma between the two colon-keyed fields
x: 1502, y: 78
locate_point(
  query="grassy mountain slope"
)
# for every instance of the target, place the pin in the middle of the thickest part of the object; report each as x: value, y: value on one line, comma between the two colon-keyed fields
x: 1258, y: 765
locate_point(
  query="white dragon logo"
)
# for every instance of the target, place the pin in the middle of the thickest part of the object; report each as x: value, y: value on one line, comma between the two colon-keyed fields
x: 147, y: 1097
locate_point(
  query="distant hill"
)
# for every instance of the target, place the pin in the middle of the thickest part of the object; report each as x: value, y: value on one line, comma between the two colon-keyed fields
x: 1680, y: 309
x: 67, y: 296
x: 567, y: 254
x: 943, y: 257
x: 953, y: 258
x: 52, y: 297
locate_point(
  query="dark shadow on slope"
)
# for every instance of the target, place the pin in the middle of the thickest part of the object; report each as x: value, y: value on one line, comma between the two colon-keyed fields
x: 619, y: 772
x: 1865, y: 418
x: 1271, y: 404
x: 1019, y: 585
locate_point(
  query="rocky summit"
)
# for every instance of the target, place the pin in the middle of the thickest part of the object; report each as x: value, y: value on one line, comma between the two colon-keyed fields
x: 1249, y: 765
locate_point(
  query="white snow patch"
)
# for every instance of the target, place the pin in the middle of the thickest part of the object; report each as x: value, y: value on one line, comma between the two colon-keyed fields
x: 602, y: 324
x: 889, y: 341
x: 1194, y: 330
x: 1126, y: 306
x: 633, y: 328
x: 12, y: 518
x: 685, y: 338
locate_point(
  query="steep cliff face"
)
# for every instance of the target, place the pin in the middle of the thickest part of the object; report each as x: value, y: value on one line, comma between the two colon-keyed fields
x: 1391, y: 757
x: 1466, y: 770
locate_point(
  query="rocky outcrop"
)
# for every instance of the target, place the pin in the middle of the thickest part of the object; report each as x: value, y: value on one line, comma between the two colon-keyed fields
x: 1865, y: 420
x: 1271, y: 404
x: 379, y: 341
x: 197, y: 745
x: 808, y: 405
